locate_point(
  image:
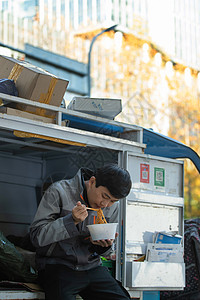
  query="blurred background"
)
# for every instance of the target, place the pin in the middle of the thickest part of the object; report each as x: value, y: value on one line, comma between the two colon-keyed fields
x: 150, y: 60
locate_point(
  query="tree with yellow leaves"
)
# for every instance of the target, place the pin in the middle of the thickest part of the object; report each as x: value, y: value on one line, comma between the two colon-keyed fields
x: 185, y: 127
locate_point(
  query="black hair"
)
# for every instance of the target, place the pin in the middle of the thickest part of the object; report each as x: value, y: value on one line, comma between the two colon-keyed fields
x: 116, y: 179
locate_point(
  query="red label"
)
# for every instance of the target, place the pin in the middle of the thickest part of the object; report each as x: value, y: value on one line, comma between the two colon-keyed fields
x: 144, y: 173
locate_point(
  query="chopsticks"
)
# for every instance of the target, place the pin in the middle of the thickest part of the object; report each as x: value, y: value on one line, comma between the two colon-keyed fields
x: 89, y: 208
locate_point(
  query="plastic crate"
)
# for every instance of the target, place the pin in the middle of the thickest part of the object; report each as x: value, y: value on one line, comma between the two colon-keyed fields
x: 151, y: 295
x: 110, y: 264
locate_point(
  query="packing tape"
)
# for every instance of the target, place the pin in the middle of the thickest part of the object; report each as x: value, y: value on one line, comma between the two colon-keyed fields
x: 15, y: 72
x: 46, y: 97
x: 61, y: 141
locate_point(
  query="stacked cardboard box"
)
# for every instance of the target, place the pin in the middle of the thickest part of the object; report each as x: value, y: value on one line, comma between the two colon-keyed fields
x: 19, y: 113
x: 34, y: 84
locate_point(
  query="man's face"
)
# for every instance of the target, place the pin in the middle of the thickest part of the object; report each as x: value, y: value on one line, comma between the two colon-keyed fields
x: 99, y: 197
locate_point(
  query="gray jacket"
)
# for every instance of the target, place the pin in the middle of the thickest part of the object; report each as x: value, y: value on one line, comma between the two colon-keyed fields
x: 53, y: 232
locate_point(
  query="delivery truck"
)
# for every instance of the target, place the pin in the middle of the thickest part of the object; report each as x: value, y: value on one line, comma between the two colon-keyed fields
x: 36, y: 151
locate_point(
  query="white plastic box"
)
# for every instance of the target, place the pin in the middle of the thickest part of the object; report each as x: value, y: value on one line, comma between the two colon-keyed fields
x: 105, y: 108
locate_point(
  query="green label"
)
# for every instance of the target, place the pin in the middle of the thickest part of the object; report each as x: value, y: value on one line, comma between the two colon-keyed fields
x: 159, y: 176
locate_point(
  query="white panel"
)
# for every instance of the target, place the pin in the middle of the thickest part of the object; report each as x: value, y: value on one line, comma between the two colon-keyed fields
x: 143, y: 220
x: 138, y: 196
x: 162, y: 175
x: 155, y: 275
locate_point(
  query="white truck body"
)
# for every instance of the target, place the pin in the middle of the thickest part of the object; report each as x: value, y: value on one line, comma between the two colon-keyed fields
x: 49, y: 152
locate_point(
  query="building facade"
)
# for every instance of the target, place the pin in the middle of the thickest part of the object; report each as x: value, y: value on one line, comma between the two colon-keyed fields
x: 178, y: 21
x: 119, y: 67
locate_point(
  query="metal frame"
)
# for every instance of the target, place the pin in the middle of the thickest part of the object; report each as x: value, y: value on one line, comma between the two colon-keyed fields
x: 165, y: 200
x: 57, y: 131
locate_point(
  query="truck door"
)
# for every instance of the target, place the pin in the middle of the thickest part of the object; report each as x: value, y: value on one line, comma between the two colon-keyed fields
x: 155, y: 204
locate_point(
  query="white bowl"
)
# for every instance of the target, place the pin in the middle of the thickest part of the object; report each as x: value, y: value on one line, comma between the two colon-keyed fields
x: 102, y: 231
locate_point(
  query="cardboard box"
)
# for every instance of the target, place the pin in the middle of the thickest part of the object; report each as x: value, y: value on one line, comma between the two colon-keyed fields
x: 34, y: 84
x: 23, y: 114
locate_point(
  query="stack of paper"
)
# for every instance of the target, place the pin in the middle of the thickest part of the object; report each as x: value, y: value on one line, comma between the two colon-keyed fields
x: 164, y: 253
x: 167, y: 247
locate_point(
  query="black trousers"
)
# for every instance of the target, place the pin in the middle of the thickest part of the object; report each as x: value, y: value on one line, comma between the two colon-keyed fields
x: 63, y: 283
